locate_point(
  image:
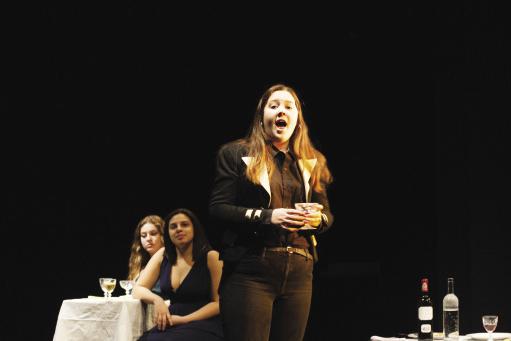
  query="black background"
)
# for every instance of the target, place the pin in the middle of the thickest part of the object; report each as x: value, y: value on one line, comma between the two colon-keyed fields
x: 116, y: 111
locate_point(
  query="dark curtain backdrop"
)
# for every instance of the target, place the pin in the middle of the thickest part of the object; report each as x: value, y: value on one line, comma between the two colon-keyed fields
x: 115, y: 112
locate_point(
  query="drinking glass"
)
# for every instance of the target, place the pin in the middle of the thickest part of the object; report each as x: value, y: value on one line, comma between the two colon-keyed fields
x: 127, y: 285
x: 308, y: 207
x: 490, y: 324
x: 107, y: 285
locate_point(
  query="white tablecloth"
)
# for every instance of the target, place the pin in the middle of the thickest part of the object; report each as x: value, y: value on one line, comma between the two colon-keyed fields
x: 101, y: 319
x: 380, y: 338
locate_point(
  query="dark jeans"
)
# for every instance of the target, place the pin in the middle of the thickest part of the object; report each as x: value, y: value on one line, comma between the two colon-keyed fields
x: 267, y: 297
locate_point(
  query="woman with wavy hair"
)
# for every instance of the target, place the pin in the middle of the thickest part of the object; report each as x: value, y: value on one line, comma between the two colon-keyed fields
x: 147, y: 239
x: 269, y: 246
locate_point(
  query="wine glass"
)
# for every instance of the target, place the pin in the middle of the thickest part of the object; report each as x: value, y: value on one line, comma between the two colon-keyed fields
x: 490, y: 324
x: 127, y: 285
x: 107, y: 285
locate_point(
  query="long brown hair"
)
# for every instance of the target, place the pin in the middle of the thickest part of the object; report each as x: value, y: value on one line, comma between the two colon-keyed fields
x: 257, y: 142
x: 139, y: 256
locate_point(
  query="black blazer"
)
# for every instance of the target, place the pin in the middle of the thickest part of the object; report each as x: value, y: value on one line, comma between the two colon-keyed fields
x: 241, y: 208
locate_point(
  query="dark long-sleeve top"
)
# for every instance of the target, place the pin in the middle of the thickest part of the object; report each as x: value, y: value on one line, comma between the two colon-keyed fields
x: 243, y: 209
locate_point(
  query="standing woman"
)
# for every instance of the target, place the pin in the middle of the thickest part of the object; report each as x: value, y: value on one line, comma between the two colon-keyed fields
x: 268, y: 255
x: 189, y: 272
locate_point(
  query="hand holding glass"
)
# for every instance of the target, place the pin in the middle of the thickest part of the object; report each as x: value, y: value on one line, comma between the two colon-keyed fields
x: 107, y: 285
x: 308, y: 207
x: 127, y: 285
x: 490, y: 324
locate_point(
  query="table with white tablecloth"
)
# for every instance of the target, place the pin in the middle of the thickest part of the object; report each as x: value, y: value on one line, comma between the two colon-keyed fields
x: 101, y: 319
x: 467, y: 337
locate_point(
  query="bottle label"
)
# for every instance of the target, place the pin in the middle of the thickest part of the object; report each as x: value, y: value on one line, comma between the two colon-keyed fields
x: 425, y: 328
x: 424, y: 286
x: 425, y: 313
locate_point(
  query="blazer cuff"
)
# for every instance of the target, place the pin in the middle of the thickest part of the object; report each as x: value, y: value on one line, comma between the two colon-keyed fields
x: 324, y: 222
x: 257, y: 215
x: 267, y: 213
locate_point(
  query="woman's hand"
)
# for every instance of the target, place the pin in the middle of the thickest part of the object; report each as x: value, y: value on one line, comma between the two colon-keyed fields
x: 288, y: 218
x: 162, y: 315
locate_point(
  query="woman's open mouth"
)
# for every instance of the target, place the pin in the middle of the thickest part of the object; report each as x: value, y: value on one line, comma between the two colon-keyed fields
x: 280, y: 123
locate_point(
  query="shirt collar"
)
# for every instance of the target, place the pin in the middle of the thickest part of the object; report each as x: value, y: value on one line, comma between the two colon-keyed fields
x: 274, y: 151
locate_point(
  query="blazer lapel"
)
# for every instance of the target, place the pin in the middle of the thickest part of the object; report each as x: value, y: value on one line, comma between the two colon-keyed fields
x: 264, y: 180
x: 306, y: 167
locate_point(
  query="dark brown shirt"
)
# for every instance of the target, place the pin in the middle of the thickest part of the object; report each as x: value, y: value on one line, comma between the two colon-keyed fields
x: 286, y: 189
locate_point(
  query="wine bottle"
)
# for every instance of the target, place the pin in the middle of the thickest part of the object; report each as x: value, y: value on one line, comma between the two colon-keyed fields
x: 425, y: 313
x: 451, y: 322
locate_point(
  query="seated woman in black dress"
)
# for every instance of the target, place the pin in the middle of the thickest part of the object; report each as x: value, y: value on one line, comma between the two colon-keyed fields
x: 189, y: 272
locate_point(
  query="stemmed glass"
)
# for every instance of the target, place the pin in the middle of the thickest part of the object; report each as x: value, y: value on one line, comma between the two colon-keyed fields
x: 127, y: 285
x: 490, y: 324
x: 107, y: 285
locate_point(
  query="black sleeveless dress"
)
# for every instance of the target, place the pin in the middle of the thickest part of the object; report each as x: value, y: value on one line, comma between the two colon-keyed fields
x: 193, y: 293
